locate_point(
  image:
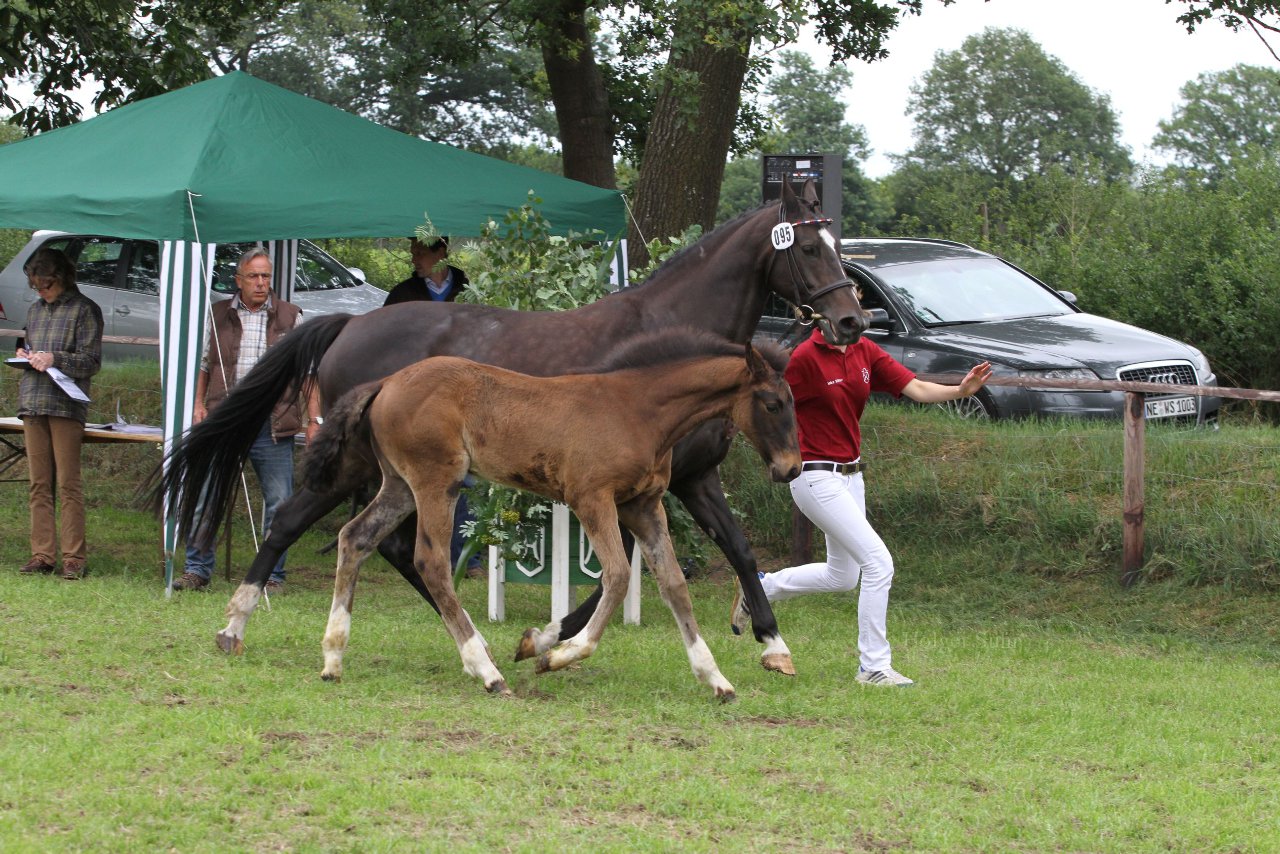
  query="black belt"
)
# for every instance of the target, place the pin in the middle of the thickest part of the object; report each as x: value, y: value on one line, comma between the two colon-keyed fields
x: 838, y: 468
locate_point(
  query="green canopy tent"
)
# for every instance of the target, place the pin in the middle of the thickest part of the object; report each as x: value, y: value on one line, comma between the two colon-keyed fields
x: 236, y: 159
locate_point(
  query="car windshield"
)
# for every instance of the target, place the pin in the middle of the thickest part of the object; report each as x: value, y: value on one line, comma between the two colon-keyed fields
x: 969, y: 290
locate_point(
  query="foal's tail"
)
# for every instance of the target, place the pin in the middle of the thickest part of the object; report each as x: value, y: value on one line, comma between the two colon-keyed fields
x: 322, y: 462
x: 213, y: 451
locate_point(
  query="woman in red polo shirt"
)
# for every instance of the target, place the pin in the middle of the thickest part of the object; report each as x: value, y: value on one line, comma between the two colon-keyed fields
x: 831, y: 385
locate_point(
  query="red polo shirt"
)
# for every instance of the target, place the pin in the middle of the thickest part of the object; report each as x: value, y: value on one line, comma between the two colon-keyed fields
x: 831, y: 390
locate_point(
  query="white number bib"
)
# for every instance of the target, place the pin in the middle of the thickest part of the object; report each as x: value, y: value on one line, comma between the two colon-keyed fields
x: 783, y: 236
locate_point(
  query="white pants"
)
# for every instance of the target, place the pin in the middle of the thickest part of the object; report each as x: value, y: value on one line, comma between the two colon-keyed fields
x: 837, y: 504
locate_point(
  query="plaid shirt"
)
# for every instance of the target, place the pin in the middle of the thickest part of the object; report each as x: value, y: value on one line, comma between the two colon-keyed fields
x: 253, y: 340
x: 70, y: 328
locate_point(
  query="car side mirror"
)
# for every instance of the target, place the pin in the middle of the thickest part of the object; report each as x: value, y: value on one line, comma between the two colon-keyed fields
x: 878, y: 318
x: 358, y: 273
x: 1068, y: 296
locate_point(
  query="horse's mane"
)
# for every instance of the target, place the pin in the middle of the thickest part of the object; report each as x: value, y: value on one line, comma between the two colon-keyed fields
x: 688, y: 255
x: 679, y: 343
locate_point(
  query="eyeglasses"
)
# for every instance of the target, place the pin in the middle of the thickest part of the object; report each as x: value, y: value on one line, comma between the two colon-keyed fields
x: 265, y: 276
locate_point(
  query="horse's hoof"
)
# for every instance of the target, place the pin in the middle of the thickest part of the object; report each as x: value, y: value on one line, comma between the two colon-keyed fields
x: 778, y: 662
x: 526, y: 648
x: 229, y: 644
x: 499, y: 687
x: 726, y: 695
x: 330, y: 677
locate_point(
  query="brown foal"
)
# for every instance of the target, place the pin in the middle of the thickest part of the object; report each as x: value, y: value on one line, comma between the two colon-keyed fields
x: 600, y: 442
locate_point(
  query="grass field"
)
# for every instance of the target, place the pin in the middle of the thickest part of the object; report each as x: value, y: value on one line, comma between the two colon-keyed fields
x: 1036, y: 726
x: 1053, y: 711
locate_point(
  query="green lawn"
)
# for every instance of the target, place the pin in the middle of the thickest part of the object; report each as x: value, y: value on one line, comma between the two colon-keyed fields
x: 1053, y: 711
x: 1038, y: 724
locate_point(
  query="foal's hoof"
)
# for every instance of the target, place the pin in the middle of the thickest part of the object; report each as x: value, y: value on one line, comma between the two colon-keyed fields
x: 331, y: 677
x: 726, y: 695
x: 526, y: 648
x: 500, y: 688
x: 778, y: 662
x: 230, y: 644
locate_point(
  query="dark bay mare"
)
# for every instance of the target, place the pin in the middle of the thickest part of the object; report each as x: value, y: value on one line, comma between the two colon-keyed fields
x: 600, y: 442
x: 718, y: 284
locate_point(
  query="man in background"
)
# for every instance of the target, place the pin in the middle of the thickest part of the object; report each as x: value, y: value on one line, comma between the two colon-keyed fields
x: 241, y: 330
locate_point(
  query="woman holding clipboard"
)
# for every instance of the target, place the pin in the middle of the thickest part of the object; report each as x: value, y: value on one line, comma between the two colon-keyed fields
x: 63, y: 333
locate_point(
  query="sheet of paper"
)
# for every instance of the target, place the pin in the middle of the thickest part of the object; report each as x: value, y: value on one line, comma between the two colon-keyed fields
x: 63, y: 381
x: 67, y: 384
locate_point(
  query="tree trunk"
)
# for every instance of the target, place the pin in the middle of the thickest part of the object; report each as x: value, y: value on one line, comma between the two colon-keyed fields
x: 579, y: 96
x: 689, y: 138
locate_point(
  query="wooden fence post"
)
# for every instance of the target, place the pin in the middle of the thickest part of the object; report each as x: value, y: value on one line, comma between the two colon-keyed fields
x: 1134, y: 500
x: 801, y: 538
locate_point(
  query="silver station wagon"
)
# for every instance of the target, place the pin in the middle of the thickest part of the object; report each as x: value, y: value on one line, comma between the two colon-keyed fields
x: 123, y: 277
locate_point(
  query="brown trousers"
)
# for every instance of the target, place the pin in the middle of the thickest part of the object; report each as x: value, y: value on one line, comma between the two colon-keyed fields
x: 53, y: 453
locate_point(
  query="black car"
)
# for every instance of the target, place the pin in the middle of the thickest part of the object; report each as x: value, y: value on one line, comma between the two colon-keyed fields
x: 940, y: 306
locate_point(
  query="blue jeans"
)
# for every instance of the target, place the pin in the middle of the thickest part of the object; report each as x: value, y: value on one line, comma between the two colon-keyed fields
x: 273, y: 463
x: 461, y: 515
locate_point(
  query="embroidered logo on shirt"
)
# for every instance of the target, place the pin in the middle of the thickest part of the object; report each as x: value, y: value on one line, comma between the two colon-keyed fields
x: 835, y: 381
x: 866, y: 376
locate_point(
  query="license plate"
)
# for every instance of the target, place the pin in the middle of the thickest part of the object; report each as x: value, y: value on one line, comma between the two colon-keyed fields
x: 1170, y: 407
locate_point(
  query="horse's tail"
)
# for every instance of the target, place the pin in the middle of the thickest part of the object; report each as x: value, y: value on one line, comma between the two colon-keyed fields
x: 322, y: 463
x: 213, y: 452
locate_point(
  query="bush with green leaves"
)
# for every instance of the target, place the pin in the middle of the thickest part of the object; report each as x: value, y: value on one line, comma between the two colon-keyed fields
x: 518, y: 263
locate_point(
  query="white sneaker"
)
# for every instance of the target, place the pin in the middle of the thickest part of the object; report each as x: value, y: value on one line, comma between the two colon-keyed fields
x: 888, y: 677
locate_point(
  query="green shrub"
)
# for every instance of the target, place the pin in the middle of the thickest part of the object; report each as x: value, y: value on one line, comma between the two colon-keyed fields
x: 1046, y: 496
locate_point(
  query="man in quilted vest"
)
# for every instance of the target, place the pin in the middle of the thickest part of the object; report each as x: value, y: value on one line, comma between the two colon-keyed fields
x: 241, y: 330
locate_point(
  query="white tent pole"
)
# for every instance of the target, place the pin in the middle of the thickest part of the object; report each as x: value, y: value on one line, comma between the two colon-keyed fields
x: 184, y: 294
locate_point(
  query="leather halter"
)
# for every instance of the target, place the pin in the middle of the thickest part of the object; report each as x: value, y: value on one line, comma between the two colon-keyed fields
x: 805, y: 313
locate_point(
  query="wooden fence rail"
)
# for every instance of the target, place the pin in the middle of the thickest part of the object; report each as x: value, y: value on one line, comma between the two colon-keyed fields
x: 1134, y: 510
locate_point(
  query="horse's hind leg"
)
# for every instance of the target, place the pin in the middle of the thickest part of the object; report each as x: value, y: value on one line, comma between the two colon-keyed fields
x: 293, y: 516
x: 649, y: 523
x: 356, y: 541
x: 435, y: 527
x: 704, y: 498
x: 600, y: 521
x: 534, y: 642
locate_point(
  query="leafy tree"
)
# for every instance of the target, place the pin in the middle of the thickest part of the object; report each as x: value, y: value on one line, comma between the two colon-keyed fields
x: 9, y: 132
x: 1003, y: 107
x: 1258, y: 15
x: 700, y: 90
x: 1223, y: 114
x: 461, y: 85
x: 131, y: 49
x: 806, y: 110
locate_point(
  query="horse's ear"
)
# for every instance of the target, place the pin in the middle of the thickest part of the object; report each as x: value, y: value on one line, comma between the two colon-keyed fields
x: 809, y: 192
x: 790, y: 204
x: 759, y: 368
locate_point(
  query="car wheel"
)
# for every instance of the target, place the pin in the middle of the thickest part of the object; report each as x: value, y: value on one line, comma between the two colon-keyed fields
x: 977, y: 407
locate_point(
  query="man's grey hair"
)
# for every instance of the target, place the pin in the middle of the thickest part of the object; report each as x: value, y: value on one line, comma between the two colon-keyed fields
x: 255, y: 252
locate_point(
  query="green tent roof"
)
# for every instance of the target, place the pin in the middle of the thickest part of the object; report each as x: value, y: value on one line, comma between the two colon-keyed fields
x: 265, y: 163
